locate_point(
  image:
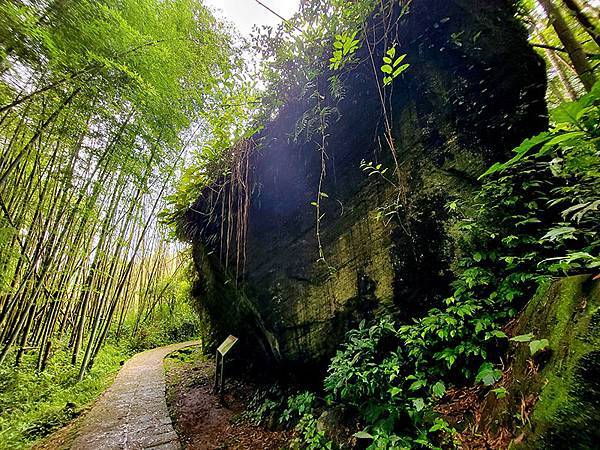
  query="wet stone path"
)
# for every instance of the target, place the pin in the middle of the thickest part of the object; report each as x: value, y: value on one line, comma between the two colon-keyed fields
x: 132, y: 413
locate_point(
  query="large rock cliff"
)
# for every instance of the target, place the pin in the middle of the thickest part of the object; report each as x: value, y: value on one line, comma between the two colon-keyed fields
x: 474, y: 90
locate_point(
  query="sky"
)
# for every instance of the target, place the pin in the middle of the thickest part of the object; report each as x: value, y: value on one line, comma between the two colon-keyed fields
x: 246, y: 13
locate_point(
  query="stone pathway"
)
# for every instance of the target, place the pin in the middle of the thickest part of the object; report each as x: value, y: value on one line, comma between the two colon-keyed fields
x: 132, y: 413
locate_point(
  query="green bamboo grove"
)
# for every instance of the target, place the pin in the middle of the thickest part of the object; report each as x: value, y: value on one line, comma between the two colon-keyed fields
x: 97, y: 100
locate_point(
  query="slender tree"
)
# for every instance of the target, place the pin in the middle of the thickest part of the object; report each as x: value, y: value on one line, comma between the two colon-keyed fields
x: 583, y: 20
x: 574, y: 49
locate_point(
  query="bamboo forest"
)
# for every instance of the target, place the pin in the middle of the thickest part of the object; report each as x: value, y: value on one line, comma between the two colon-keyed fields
x: 299, y: 224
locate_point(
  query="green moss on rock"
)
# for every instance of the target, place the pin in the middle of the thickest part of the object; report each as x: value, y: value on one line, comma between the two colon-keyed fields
x: 558, y: 390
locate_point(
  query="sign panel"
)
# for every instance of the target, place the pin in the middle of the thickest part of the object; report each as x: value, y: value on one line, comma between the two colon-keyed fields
x: 227, y: 344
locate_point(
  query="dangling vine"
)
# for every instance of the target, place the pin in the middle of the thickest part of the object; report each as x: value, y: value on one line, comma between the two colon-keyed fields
x: 392, y: 68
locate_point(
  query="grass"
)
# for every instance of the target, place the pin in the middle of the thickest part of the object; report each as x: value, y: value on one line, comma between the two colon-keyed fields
x: 33, y: 405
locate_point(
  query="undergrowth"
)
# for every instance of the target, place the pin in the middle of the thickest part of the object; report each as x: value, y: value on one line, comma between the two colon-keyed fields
x: 534, y: 217
x: 169, y: 323
x: 32, y: 404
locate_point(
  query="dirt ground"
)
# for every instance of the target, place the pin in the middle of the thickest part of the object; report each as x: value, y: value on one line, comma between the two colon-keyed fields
x: 201, y: 420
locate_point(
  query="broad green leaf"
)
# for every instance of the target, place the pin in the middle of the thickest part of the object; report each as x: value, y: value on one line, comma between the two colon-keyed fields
x: 560, y: 139
x: 487, y: 374
x: 500, y: 392
x: 419, y: 404
x: 520, y: 151
x: 538, y: 345
x: 395, y: 391
x: 415, y: 386
x: 363, y: 435
x: 560, y: 232
x: 522, y: 338
x: 400, y: 69
x: 399, y: 59
x: 439, y: 389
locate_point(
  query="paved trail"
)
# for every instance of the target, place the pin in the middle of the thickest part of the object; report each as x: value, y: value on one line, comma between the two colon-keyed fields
x: 132, y: 413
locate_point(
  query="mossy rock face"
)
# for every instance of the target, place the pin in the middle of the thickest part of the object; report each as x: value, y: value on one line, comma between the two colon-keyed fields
x: 474, y: 89
x: 558, y: 389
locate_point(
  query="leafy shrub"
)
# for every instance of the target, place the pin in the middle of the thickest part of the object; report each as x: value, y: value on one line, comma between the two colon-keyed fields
x: 384, y: 387
x: 302, y: 410
x: 298, y: 411
x: 298, y: 406
x: 308, y: 435
x: 169, y: 322
x: 265, y: 405
x: 535, y: 216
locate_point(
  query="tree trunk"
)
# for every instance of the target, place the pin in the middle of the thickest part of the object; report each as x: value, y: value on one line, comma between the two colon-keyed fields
x: 568, y: 88
x: 25, y: 334
x: 583, y: 20
x: 572, y: 46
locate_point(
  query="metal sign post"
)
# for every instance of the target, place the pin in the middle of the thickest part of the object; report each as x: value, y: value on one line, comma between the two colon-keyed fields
x: 220, y: 364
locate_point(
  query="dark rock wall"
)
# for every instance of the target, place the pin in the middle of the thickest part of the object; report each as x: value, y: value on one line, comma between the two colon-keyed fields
x: 473, y: 91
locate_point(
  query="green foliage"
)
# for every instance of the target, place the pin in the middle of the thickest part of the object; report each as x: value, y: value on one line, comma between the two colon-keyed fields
x: 344, y: 47
x: 538, y: 345
x: 522, y: 338
x: 535, y: 345
x: 391, y: 210
x: 391, y: 66
x: 556, y: 180
x: 97, y: 99
x: 298, y: 406
x: 292, y: 53
x: 265, y: 405
x: 374, y: 373
x: 487, y: 374
x: 500, y: 392
x: 301, y: 412
x: 308, y: 436
x: 168, y: 323
x: 34, y: 404
x: 143, y: 52
x: 534, y: 216
x: 166, y: 316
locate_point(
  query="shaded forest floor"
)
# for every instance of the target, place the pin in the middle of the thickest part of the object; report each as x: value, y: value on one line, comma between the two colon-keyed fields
x: 201, y: 421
